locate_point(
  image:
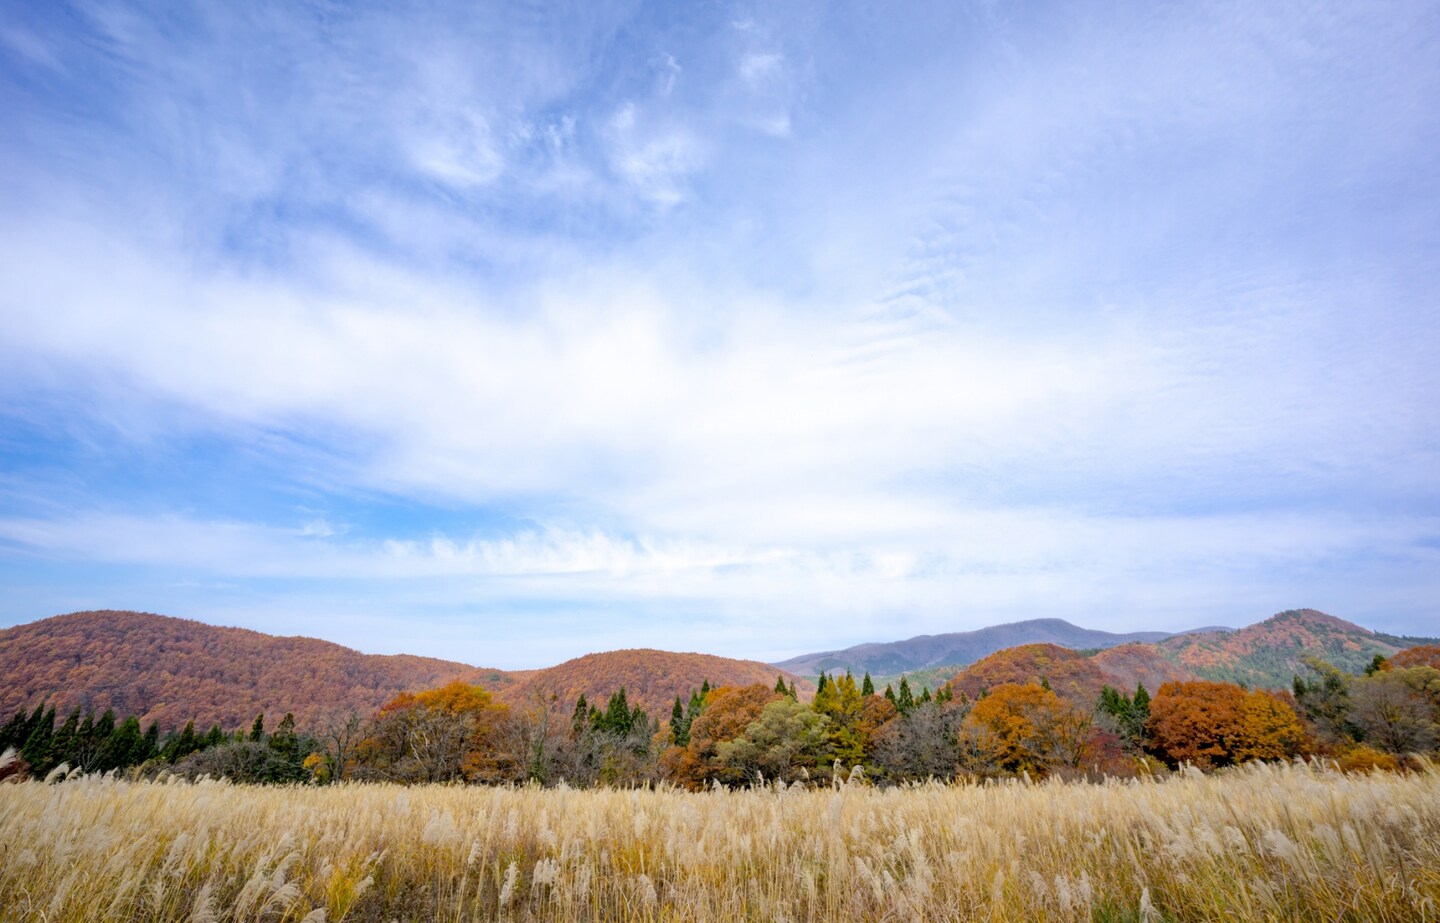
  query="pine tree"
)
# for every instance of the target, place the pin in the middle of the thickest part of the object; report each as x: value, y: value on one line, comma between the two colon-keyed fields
x: 794, y: 693
x: 257, y: 730
x: 924, y: 696
x: 868, y: 686
x: 780, y: 685
x: 890, y: 694
x: 821, y: 684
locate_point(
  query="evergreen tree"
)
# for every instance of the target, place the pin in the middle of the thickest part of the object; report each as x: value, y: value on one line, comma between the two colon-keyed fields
x: 37, y: 746
x: 62, y: 749
x: 780, y: 685
x: 794, y: 693
x: 924, y: 696
x: 704, y: 688
x: 125, y: 745
x: 904, y: 699
x: 1045, y: 683
x: 579, y: 719
x: 285, y: 741
x: 257, y: 730
x: 151, y: 743
x: 867, y: 687
x: 821, y: 683
x: 14, y: 732
x: 182, y: 744
x: 679, y: 727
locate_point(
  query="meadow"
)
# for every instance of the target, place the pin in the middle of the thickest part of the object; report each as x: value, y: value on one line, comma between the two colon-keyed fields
x: 1261, y: 842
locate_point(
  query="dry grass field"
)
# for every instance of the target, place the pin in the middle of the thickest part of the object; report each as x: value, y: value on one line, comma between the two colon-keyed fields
x: 1286, y: 842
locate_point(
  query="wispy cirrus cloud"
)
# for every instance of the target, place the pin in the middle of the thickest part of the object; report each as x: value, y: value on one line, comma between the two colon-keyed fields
x: 957, y: 315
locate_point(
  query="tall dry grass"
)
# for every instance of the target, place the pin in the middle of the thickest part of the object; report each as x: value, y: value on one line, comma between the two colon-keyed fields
x: 1263, y: 843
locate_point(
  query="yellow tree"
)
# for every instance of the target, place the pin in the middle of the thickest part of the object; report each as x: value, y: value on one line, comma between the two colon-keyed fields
x: 436, y: 736
x: 1023, y: 728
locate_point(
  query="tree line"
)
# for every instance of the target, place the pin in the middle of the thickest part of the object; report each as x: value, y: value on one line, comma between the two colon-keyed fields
x: 756, y: 734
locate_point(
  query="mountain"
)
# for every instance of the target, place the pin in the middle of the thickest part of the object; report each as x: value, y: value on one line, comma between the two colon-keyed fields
x: 1071, y: 674
x: 650, y: 678
x: 958, y: 648
x: 1268, y: 654
x: 175, y: 670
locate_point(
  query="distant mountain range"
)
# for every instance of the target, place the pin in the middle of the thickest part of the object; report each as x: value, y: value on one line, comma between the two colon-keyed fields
x: 1267, y: 654
x: 176, y: 670
x: 959, y: 648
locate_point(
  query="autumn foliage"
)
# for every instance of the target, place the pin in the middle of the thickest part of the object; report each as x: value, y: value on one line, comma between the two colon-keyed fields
x: 176, y: 670
x: 1219, y: 724
x: 1069, y: 674
x: 1024, y: 728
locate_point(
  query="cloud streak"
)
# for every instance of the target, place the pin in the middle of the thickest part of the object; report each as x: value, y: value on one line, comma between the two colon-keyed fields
x: 930, y: 321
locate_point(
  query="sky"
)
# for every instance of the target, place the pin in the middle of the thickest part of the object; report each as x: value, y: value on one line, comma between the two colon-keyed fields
x: 510, y: 332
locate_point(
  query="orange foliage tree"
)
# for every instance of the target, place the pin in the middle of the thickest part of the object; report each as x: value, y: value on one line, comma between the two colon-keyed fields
x: 1023, y: 728
x: 436, y: 736
x: 1218, y: 724
x: 728, y: 711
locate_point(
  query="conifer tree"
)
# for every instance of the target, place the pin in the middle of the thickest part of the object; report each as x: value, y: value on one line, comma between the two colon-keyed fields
x: 794, y: 693
x: 867, y: 687
x: 37, y: 746
x: 257, y: 730
x: 63, y: 748
x: 151, y: 743
x: 679, y: 727
x: 904, y: 699
x: 580, y: 718
x: 780, y: 685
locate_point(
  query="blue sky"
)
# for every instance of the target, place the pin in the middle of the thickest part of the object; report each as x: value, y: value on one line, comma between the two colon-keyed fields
x: 508, y: 333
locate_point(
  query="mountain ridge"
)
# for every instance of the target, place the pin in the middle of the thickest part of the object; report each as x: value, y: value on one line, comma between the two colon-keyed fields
x: 960, y: 648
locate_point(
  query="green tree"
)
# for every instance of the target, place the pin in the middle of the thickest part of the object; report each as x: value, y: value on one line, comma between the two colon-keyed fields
x: 787, y: 742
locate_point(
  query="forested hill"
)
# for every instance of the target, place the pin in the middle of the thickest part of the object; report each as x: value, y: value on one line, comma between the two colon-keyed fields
x: 1270, y: 653
x: 176, y: 670
x: 650, y: 678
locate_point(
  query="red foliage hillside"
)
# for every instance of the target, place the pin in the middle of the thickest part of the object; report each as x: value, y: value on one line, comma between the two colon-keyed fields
x: 1131, y: 664
x: 650, y: 678
x: 176, y: 670
x: 1424, y: 655
x: 1070, y: 674
x: 1269, y: 653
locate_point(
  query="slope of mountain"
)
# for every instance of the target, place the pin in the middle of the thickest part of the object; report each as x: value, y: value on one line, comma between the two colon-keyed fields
x: 1071, y: 674
x: 175, y: 670
x: 1132, y: 664
x: 1268, y: 654
x: 960, y: 648
x: 650, y: 678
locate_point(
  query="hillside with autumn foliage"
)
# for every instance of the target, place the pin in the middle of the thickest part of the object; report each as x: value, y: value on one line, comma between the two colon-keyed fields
x: 651, y: 679
x: 176, y: 670
x: 1271, y: 653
